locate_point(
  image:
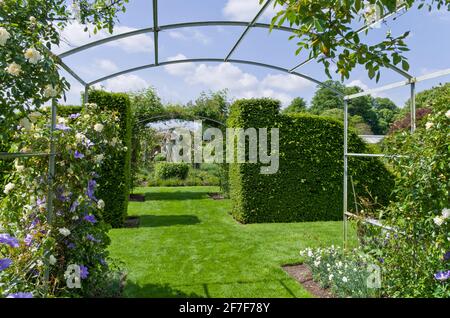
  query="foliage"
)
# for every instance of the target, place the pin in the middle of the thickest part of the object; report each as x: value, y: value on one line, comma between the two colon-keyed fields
x: 325, y: 98
x: 308, y: 185
x: 326, y: 30
x: 167, y: 170
x: 356, y: 122
x: 115, y: 173
x: 29, y: 30
x: 346, y: 274
x: 419, y: 213
x: 297, y: 105
x: 73, y: 232
x: 405, y: 123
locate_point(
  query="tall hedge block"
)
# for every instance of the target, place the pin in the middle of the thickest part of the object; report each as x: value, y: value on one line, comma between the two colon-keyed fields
x: 309, y: 183
x: 114, y: 180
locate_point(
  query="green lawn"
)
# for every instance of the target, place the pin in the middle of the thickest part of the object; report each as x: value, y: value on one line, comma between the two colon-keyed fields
x: 188, y: 245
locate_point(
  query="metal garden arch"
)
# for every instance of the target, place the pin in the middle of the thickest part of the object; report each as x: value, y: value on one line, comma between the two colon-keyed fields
x: 409, y: 80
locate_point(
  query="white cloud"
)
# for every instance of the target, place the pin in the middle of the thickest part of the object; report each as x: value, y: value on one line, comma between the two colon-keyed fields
x: 190, y: 35
x: 246, y: 10
x: 74, y: 35
x: 124, y: 83
x: 358, y: 83
x: 239, y: 83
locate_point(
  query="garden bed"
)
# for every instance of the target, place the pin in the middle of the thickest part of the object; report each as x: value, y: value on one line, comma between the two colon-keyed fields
x: 137, y: 197
x: 303, y: 275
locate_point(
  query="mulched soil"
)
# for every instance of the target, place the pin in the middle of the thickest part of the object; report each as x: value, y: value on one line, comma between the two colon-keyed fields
x: 215, y: 196
x: 132, y: 221
x: 303, y: 275
x: 137, y: 197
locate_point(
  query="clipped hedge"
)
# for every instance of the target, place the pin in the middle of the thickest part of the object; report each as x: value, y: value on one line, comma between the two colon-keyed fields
x: 169, y: 170
x: 309, y: 183
x: 114, y: 178
x: 67, y: 110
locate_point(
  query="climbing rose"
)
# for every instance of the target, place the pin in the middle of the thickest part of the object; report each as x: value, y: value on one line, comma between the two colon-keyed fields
x: 32, y: 55
x: 4, y: 36
x: 428, y: 125
x: 14, y: 69
x: 438, y: 220
x: 8, y: 188
x: 448, y: 114
x: 64, y: 231
x: 101, y: 204
x: 98, y: 127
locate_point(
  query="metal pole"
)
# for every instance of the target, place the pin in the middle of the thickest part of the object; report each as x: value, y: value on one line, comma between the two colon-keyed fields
x: 345, y: 192
x: 51, y: 174
x: 413, y: 107
x: 155, y: 30
x: 86, y: 94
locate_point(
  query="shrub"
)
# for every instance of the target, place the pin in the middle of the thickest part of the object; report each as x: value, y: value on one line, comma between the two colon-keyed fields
x: 420, y: 249
x: 308, y: 184
x: 168, y: 170
x: 73, y: 233
x: 351, y: 274
x: 114, y: 178
x: 67, y: 110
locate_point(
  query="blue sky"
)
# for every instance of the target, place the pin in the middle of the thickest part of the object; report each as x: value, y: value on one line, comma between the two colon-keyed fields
x: 429, y: 43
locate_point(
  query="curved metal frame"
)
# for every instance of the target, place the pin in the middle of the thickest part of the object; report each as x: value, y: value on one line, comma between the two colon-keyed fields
x: 410, y: 80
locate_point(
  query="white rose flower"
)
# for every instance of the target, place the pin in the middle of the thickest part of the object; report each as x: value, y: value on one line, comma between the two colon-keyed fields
x: 32, y: 55
x: 345, y: 279
x: 428, y: 125
x: 64, y: 231
x: 19, y: 168
x: 99, y: 158
x: 33, y: 20
x: 75, y: 217
x: 113, y: 141
x: 8, y: 188
x: 80, y: 137
x: 98, y: 127
x: 438, y: 220
x: 4, y: 36
x: 446, y: 213
x: 316, y: 263
x: 52, y: 260
x: 330, y: 277
x: 447, y: 114
x: 50, y: 91
x: 101, y: 204
x: 14, y: 69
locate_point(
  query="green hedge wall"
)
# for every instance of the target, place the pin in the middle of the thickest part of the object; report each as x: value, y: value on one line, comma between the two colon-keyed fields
x: 167, y: 170
x: 114, y: 177
x: 66, y: 110
x: 308, y: 185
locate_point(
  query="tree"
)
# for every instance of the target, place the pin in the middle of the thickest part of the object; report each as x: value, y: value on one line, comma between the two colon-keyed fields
x: 356, y: 122
x: 212, y: 105
x: 363, y: 106
x: 325, y: 29
x: 297, y: 105
x: 385, y: 103
x: 325, y: 98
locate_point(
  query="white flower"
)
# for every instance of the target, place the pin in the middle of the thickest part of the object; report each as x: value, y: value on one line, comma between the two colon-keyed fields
x: 428, y: 125
x: 4, y: 36
x: 438, y: 220
x: 345, y: 279
x: 64, y: 231
x: 310, y: 253
x: 14, y: 69
x: 447, y: 114
x: 101, y: 204
x: 99, y: 158
x: 316, y: 263
x: 8, y: 188
x: 32, y: 20
x: 19, y: 168
x: 75, y: 217
x: 50, y: 91
x: 32, y: 55
x: 52, y: 260
x: 113, y: 141
x: 330, y: 277
x: 446, y: 213
x: 98, y: 127
x: 80, y: 137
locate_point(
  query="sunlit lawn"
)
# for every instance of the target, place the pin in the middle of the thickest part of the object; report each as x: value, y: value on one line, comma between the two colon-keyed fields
x: 188, y: 245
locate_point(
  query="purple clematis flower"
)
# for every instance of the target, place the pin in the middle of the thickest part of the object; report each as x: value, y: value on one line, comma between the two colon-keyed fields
x: 447, y: 256
x: 442, y: 275
x: 74, y: 206
x: 91, y: 189
x: 78, y: 155
x: 62, y: 127
x: 71, y: 246
x: 91, y: 238
x: 84, y: 273
x: 28, y: 240
x: 5, y: 263
x: 20, y: 295
x: 74, y: 116
x: 90, y: 218
x: 9, y: 240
